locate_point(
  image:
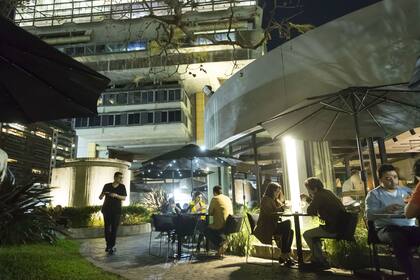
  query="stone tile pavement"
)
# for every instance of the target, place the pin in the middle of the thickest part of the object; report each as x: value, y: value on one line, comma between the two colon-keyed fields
x: 132, y: 261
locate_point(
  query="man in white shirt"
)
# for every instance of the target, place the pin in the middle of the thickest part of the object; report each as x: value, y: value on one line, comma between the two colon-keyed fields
x: 402, y: 234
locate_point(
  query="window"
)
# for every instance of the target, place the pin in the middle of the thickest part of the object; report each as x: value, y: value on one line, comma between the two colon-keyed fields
x: 161, y: 96
x: 134, y: 97
x: 107, y: 120
x: 174, y: 116
x: 136, y: 46
x: 150, y: 97
x: 122, y: 98
x: 164, y: 116
x: 146, y: 117
x: 81, y: 122
x: 144, y: 97
x: 161, y: 117
x: 109, y: 99
x: 177, y: 94
x: 120, y: 119
x: 95, y: 121
x: 174, y: 95
x: 134, y: 118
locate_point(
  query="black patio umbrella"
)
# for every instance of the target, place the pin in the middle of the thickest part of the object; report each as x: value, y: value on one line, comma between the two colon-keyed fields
x: 155, y: 173
x: 39, y: 83
x: 190, y: 157
x: 356, y: 112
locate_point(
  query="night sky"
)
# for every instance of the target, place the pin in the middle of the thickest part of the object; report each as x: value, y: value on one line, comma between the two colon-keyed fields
x: 315, y: 12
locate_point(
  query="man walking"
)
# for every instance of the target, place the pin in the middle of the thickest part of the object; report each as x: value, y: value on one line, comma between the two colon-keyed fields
x: 114, y: 194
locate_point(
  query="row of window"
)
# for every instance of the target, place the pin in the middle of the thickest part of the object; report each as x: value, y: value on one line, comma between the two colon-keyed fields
x: 104, y: 48
x: 140, y: 97
x: 133, y: 118
x: 134, y: 46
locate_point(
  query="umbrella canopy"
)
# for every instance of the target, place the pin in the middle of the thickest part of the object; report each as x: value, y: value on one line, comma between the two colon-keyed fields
x: 373, y: 111
x: 351, y: 113
x: 171, y: 174
x: 191, y: 157
x: 39, y: 83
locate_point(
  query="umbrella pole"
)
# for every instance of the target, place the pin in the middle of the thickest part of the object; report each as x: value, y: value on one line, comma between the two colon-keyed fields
x: 359, y: 146
x: 192, y: 178
x: 173, y: 185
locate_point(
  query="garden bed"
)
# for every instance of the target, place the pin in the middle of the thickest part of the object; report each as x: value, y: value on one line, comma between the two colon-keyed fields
x: 97, y: 232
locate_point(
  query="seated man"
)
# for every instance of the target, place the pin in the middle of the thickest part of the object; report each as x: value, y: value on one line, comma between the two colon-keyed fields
x: 401, y: 234
x: 328, y: 207
x: 220, y: 208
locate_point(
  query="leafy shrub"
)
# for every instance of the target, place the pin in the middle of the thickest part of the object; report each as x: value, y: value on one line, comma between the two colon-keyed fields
x: 238, y: 242
x: 91, y: 216
x: 23, y: 215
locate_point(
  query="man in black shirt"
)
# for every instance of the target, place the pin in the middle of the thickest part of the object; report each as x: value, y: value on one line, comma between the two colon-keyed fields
x: 324, y: 204
x: 114, y: 194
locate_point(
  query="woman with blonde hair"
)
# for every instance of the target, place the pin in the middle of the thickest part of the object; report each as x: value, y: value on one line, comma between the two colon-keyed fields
x: 270, y: 226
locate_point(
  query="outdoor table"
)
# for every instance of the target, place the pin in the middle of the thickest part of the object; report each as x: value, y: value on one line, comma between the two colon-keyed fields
x: 297, y: 231
x: 180, y: 236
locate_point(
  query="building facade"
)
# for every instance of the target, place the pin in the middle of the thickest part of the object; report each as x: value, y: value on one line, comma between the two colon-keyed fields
x: 35, y: 149
x: 158, y: 58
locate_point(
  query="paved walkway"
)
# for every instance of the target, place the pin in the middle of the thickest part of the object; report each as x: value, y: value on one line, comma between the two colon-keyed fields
x: 132, y: 261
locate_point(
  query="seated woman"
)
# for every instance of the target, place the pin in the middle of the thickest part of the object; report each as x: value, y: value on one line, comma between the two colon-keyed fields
x: 412, y: 210
x: 268, y: 225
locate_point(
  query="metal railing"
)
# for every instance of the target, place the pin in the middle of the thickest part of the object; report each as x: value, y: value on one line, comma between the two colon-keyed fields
x: 178, y: 59
x: 85, y: 11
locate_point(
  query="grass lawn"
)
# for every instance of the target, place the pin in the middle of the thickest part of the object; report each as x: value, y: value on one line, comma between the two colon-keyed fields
x: 44, y: 262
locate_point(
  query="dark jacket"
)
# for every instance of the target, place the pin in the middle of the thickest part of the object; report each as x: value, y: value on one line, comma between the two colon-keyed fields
x: 267, y: 220
x: 328, y: 207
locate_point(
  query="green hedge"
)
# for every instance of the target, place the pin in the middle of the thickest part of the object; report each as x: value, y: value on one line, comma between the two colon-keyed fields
x: 91, y: 216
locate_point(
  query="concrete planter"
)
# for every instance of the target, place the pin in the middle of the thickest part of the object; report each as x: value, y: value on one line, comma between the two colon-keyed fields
x: 97, y: 232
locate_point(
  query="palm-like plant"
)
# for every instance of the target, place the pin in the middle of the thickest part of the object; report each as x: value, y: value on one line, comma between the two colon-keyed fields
x: 24, y: 217
x: 155, y: 200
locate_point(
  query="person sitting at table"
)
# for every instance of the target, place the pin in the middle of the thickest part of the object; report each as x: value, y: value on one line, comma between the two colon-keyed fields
x: 324, y: 204
x: 220, y: 208
x: 268, y: 225
x: 170, y: 207
x: 197, y: 205
x: 412, y: 210
x: 401, y: 234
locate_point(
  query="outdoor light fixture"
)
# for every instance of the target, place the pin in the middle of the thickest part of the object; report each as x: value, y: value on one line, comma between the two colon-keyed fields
x: 395, y: 139
x: 292, y: 170
x: 208, y: 90
x: 412, y: 131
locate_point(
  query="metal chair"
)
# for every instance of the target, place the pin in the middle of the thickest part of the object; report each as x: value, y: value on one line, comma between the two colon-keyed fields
x: 164, y: 224
x: 252, y: 221
x: 185, y: 226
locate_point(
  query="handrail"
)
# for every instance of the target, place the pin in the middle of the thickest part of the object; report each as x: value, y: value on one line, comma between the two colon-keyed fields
x: 54, y: 14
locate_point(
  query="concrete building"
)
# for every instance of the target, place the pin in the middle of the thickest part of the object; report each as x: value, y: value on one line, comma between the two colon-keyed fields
x: 158, y: 57
x: 35, y: 149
